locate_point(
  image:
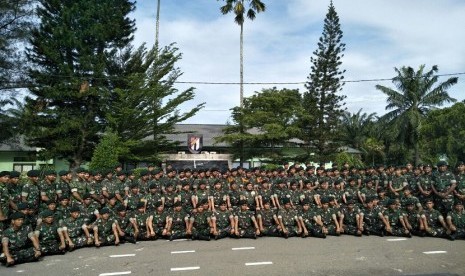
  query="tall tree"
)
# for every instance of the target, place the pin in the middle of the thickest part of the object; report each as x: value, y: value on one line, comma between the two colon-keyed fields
x: 145, y: 106
x: 322, y: 102
x: 16, y: 18
x: 69, y: 53
x: 239, y: 10
x: 418, y: 93
x: 267, y: 121
x: 355, y: 128
x: 157, y: 24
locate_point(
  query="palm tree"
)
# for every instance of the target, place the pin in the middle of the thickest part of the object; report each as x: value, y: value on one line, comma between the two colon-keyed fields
x: 237, y: 6
x: 416, y: 96
x: 355, y: 127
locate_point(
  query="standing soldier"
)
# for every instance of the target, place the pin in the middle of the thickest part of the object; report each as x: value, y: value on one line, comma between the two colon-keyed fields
x: 443, y: 188
x: 30, y: 192
x: 47, y: 188
x: 460, y: 189
x: 19, y: 243
x: 79, y: 186
x: 4, y: 200
x: 14, y: 189
x: 64, y: 184
x: 425, y: 184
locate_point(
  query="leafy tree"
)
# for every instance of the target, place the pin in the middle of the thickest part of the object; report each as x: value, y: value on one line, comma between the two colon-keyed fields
x: 69, y: 54
x: 322, y: 103
x: 266, y: 120
x: 107, y: 152
x: 144, y: 106
x: 442, y: 133
x: 239, y: 10
x: 355, y: 128
x: 15, y: 22
x: 418, y: 93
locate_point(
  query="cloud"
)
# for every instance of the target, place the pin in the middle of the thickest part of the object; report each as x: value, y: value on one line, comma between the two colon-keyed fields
x: 379, y: 36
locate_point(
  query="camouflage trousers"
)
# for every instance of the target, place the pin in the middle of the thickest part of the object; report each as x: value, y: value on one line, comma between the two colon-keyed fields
x: 398, y: 231
x: 437, y: 232
x: 459, y: 234
x: 201, y: 234
x: 331, y: 230
x: 350, y: 230
x: 270, y: 231
x: 315, y: 230
x: 79, y: 241
x: 178, y: 234
x: 248, y: 233
x: 23, y: 255
x: 107, y: 240
x: 51, y: 248
x: 291, y: 231
x: 376, y: 228
x: 223, y: 232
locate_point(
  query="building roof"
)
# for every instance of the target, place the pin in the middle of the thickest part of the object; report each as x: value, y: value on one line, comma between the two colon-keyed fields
x: 15, y: 144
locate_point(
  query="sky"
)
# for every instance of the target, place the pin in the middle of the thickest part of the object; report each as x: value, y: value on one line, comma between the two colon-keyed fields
x: 380, y: 35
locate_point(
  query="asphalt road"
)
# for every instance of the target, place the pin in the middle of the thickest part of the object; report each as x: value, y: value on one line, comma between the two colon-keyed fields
x: 343, y: 255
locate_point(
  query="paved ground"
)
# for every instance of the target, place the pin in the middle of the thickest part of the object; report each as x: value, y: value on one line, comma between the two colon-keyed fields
x: 265, y: 256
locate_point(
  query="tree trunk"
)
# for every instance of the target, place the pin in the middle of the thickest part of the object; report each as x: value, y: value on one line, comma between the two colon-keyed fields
x: 157, y: 25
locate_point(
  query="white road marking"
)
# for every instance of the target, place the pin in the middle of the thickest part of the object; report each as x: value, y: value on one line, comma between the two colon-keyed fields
x: 434, y: 252
x: 397, y: 239
x: 140, y: 249
x: 20, y: 271
x: 182, y: 252
x: 243, y: 248
x: 115, y: 273
x: 259, y: 263
x: 185, y: 268
x: 179, y: 240
x: 123, y: 255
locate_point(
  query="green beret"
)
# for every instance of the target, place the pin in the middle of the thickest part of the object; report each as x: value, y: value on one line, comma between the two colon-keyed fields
x: 14, y: 174
x: 140, y: 205
x: 74, y: 208
x: 111, y: 196
x: 47, y: 213
x: 63, y: 173
x: 203, y: 201
x: 120, y: 208
x: 17, y: 215
x: 391, y: 201
x: 324, y: 200
x: 22, y: 206
x: 33, y: 173
x: 153, y: 186
x: 4, y: 173
x: 120, y: 173
x: 458, y: 202
x: 286, y: 200
x: 104, y: 210
x: 80, y: 170
x: 441, y: 163
x: 133, y: 186
x: 143, y: 173
x: 177, y: 204
x: 350, y: 202
x: 50, y: 201
x: 50, y: 172
x: 86, y: 196
x: 242, y: 202
x: 305, y: 201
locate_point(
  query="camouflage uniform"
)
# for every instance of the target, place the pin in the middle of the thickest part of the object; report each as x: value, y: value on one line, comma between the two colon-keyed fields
x: 75, y: 231
x: 373, y: 223
x: 223, y: 222
x: 458, y: 220
x: 105, y: 231
x: 289, y: 219
x: 327, y: 218
x: 349, y: 220
x: 178, y: 224
x: 49, y: 238
x: 201, y: 227
x: 245, y: 224
x: 20, y: 244
x: 32, y: 194
x: 267, y: 218
x: 435, y: 227
x: 4, y: 206
x: 443, y: 182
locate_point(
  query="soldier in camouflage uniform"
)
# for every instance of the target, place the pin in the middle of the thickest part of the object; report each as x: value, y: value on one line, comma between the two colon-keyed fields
x: 288, y: 220
x: 79, y: 186
x: 47, y: 188
x: 14, y: 189
x: 424, y: 184
x: 126, y: 225
x: 267, y: 220
x: 201, y: 228
x: 178, y: 223
x: 160, y: 220
x: 373, y: 220
x: 4, y: 200
x: 154, y: 198
x: 50, y: 235
x: 460, y: 188
x: 456, y: 221
x: 20, y: 245
x: 64, y: 184
x: 105, y: 232
x: 30, y: 192
x: 76, y: 230
x: 222, y: 221
x: 310, y: 221
x: 443, y: 188
x: 330, y: 224
x: 245, y: 223
x: 133, y: 198
x: 435, y: 225
x: 143, y: 221
x: 394, y: 221
x: 411, y: 216
x: 350, y: 220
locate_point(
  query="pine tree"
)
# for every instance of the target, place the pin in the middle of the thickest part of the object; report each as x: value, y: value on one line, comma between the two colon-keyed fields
x: 69, y: 56
x: 322, y: 103
x: 107, y: 152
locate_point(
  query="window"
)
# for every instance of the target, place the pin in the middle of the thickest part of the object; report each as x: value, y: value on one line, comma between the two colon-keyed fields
x: 23, y: 167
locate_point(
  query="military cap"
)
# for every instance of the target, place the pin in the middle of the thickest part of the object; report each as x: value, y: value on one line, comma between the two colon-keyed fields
x: 86, y: 196
x: 80, y: 170
x: 143, y: 173
x: 177, y: 204
x: 4, y: 173
x: 120, y: 173
x: 22, y: 206
x: 350, y: 202
x: 63, y: 197
x: 409, y: 202
x: 111, y: 196
x: 286, y: 200
x: 50, y: 201
x: 33, y: 173
x: 74, y: 208
x: 133, y: 185
x: 47, y: 213
x: 185, y: 183
x: 367, y: 180
x: 441, y: 163
x: 203, y: 201
x: 429, y: 200
x: 369, y: 199
x: 458, y: 202
x: 325, y: 200
x: 50, y: 172
x: 305, y: 201
x: 202, y: 182
x: 104, y: 210
x: 153, y: 186
x: 140, y: 205
x: 63, y: 173
x: 242, y: 202
x: 107, y: 171
x: 155, y: 171
x: 460, y: 163
x: 222, y: 202
x: 391, y: 201
x: 150, y: 165
x: 14, y: 174
x: 17, y: 215
x: 120, y: 208
x: 158, y: 204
